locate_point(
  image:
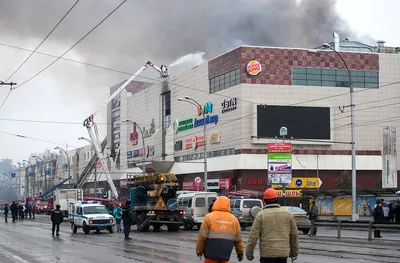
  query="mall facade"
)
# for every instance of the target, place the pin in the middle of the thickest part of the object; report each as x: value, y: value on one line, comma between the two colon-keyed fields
x: 247, y: 95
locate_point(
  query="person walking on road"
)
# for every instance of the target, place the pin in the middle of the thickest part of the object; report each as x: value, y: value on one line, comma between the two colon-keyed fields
x: 21, y: 211
x: 127, y: 218
x: 34, y: 211
x: 6, y: 209
x: 57, y: 218
x: 14, y: 211
x: 29, y: 210
x: 397, y: 212
x: 313, y: 216
x: 277, y: 231
x: 117, y: 213
x: 219, y: 233
x: 379, y: 218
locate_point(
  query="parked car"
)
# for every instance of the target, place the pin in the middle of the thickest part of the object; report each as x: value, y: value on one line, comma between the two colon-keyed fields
x: 195, y: 205
x: 301, y: 217
x: 241, y: 206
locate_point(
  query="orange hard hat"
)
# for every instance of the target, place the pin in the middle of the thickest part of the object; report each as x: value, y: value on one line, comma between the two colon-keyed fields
x: 270, y: 193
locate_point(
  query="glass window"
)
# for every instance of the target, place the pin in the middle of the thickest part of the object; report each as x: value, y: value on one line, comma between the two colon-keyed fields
x: 316, y: 71
x: 251, y: 203
x: 295, y: 210
x: 237, y: 204
x: 299, y: 76
x: 357, y: 79
x: 200, y: 202
x: 357, y: 73
x: 329, y: 83
x: 210, y: 200
x: 299, y: 82
x: 313, y: 77
x: 341, y: 72
x: 371, y: 74
x: 371, y: 80
x: 359, y: 84
x: 299, y: 70
x: 313, y: 82
x: 238, y: 81
x: 342, y: 84
x: 331, y: 72
x: 189, y: 202
x: 329, y: 77
x: 343, y: 78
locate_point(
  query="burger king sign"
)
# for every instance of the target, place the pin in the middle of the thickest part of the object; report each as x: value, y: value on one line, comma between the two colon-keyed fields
x: 253, y: 68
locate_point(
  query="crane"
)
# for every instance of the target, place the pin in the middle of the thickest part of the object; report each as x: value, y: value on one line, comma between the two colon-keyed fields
x: 92, y: 127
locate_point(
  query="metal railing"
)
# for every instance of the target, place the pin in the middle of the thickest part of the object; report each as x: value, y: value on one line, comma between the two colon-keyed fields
x: 348, y: 225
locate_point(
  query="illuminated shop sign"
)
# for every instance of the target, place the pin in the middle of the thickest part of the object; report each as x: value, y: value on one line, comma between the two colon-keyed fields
x: 194, y: 122
x: 229, y: 105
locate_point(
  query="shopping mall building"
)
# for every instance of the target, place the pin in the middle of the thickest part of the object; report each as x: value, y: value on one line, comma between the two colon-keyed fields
x: 247, y: 95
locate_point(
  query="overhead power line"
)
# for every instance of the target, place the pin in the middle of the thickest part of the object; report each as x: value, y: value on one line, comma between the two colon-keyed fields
x: 69, y: 49
x: 48, y: 35
x: 33, y: 52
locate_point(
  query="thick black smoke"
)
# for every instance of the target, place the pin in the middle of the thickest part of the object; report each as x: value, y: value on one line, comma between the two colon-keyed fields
x: 165, y: 30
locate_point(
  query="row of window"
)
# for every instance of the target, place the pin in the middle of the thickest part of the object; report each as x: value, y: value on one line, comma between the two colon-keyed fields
x: 224, y: 81
x: 198, y: 156
x: 334, y: 77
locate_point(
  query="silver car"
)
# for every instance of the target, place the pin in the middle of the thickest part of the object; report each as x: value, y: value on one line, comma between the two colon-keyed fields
x: 301, y: 217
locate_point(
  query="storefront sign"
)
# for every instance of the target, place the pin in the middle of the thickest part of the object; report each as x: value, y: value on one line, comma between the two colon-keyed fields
x: 279, y: 163
x: 123, y: 183
x: 290, y: 193
x: 212, y: 184
x: 253, y: 68
x: 302, y: 183
x: 229, y: 105
x: 134, y: 136
x: 178, y: 145
x: 252, y: 181
x: 215, y: 138
x: 148, y: 151
x: 194, y: 142
x: 129, y: 155
x: 280, y: 147
x: 193, y: 123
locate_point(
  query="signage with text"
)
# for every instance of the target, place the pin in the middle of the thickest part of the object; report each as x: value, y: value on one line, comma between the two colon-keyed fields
x: 280, y: 163
x: 134, y: 136
x: 302, y: 183
x: 290, y: 193
x: 229, y: 105
x: 215, y: 138
x: 194, y: 122
x: 194, y: 142
x: 212, y: 184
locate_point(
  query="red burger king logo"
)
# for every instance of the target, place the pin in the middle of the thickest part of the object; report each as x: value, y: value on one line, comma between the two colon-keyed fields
x: 253, y: 68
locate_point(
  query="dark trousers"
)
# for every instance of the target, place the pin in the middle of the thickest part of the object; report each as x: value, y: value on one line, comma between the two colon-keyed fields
x: 14, y: 215
x: 55, y: 225
x: 30, y: 214
x: 273, y: 260
x: 5, y: 217
x: 127, y: 229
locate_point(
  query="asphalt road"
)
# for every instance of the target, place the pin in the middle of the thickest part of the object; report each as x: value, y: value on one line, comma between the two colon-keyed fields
x: 30, y: 241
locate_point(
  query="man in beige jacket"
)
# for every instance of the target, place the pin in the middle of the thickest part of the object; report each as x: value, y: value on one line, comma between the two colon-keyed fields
x: 277, y: 231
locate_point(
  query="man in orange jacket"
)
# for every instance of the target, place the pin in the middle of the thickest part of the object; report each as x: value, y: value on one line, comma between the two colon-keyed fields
x: 219, y: 232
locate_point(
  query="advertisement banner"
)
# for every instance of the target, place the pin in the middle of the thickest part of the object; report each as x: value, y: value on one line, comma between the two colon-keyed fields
x: 280, y: 163
x: 212, y: 184
x: 290, y: 193
x: 194, y: 142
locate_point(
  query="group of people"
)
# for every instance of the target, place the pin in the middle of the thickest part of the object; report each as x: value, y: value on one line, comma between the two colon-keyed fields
x: 274, y: 227
x: 19, y: 211
x: 385, y: 214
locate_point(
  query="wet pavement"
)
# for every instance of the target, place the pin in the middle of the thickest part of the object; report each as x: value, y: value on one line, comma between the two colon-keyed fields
x: 30, y: 241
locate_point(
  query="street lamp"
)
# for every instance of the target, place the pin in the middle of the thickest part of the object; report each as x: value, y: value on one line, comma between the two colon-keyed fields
x: 45, y: 175
x: 200, y: 108
x: 354, y: 216
x: 141, y: 132
x: 68, y: 163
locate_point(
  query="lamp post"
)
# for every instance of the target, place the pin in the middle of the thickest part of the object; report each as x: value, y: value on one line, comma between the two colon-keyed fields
x: 141, y: 132
x: 198, y: 106
x: 34, y: 179
x: 68, y: 163
x: 354, y: 216
x: 41, y: 174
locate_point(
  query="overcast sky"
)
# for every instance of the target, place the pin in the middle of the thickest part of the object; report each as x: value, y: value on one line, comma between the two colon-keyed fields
x: 158, y: 31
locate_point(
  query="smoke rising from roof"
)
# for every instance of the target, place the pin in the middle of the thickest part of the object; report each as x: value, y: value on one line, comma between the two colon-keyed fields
x: 165, y: 31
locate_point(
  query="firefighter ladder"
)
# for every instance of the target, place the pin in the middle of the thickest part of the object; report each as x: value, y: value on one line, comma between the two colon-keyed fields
x: 89, y: 167
x: 92, y: 127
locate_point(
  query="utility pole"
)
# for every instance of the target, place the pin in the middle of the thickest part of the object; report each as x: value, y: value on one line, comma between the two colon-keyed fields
x: 95, y: 178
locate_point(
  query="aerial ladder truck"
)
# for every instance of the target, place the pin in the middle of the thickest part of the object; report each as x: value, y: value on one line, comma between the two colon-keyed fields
x: 93, y: 131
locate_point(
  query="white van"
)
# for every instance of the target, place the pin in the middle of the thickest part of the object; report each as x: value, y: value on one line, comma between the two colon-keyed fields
x: 195, y: 206
x: 241, y: 206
